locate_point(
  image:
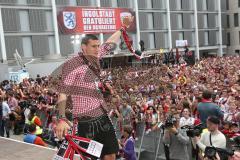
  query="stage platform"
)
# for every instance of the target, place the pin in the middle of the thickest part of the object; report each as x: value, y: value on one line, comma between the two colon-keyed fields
x: 16, y: 150
x: 11, y: 149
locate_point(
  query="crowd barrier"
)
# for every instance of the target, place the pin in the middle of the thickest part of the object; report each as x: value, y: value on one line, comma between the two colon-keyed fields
x: 150, y: 143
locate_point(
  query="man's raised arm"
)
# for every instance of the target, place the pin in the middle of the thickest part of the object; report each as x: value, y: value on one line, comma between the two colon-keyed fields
x: 110, y: 44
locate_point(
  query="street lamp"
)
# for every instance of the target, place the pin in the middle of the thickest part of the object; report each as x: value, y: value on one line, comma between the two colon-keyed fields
x: 75, y: 40
x: 77, y: 36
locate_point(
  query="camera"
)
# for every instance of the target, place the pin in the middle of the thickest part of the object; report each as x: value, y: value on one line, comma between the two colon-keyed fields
x: 170, y: 121
x: 193, y: 131
x: 210, y: 153
x: 236, y: 142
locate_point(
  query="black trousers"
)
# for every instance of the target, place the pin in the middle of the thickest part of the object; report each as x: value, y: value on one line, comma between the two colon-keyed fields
x: 101, y: 130
x: 4, y: 127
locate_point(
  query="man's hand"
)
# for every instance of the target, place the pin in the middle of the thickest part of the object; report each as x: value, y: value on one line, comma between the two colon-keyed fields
x: 109, y: 87
x: 120, y: 144
x: 127, y: 21
x: 173, y: 130
x: 236, y: 156
x: 62, y: 129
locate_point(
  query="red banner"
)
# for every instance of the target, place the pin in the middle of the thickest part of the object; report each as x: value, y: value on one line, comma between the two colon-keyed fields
x: 92, y: 20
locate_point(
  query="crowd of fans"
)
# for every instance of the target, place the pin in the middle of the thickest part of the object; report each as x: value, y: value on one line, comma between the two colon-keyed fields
x: 27, y: 104
x: 154, y: 92
x: 148, y: 93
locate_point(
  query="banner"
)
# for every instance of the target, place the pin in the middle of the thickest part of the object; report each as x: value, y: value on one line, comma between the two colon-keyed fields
x: 93, y: 20
x: 18, y: 76
x: 181, y: 43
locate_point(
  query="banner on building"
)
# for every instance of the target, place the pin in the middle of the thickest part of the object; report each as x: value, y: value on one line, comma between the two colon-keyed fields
x: 18, y: 76
x: 92, y: 20
x: 181, y: 43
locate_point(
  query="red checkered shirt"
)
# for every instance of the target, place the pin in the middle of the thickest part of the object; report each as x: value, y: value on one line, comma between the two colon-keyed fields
x: 78, y: 81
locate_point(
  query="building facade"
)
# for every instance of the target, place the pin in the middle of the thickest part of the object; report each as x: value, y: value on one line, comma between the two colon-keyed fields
x: 29, y: 26
x: 233, y: 27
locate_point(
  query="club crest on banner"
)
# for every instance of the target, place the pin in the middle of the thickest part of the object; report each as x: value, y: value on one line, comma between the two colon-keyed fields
x: 69, y: 19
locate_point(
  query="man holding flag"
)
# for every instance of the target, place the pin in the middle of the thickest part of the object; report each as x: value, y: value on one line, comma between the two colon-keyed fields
x: 78, y: 84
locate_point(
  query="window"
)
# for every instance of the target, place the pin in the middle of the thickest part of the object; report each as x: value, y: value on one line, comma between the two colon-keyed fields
x: 149, y: 4
x: 150, y: 20
x: 123, y: 3
x: 180, y: 21
x: 181, y: 4
x: 190, y: 5
x: 24, y: 20
x: 49, y: 21
x: 193, y: 39
x: 205, y: 21
x: 163, y: 4
x: 228, y: 39
x: 216, y: 21
x: 151, y: 39
x: 204, y: 5
x: 23, y: 2
x: 227, y: 4
x: 180, y: 36
x: 217, y: 37
x: 192, y: 20
x: 164, y: 21
x: 27, y: 46
x: 166, y: 40
x: 236, y: 19
x: 239, y: 37
x: 216, y: 5
x: 51, y: 43
x: 178, y: 4
x: 206, y: 38
x: 228, y: 21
